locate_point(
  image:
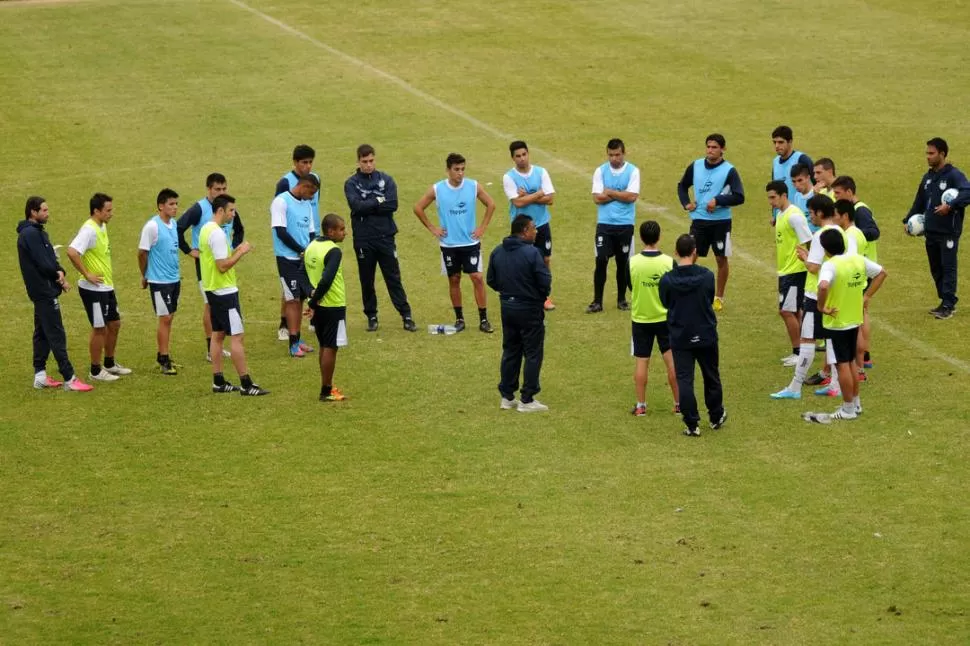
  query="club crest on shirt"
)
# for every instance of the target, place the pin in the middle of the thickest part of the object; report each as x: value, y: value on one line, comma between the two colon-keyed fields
x: 949, y: 244
x: 943, y: 185
x: 380, y: 185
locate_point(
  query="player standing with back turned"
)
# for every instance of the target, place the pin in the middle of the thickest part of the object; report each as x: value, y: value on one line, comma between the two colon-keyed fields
x: 648, y: 314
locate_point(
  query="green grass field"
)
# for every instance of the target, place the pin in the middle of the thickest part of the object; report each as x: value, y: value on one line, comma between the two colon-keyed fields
x: 152, y: 511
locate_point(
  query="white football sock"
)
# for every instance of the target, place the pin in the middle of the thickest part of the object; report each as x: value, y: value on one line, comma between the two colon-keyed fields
x: 806, y: 353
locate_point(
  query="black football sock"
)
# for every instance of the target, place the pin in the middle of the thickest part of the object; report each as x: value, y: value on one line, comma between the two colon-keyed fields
x: 109, y: 362
x: 95, y: 369
x: 246, y: 381
x: 483, y: 313
x: 218, y: 379
x: 459, y: 313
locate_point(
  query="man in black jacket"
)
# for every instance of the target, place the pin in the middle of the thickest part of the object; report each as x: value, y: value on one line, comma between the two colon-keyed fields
x: 45, y: 279
x: 518, y: 273
x: 943, y: 222
x: 372, y: 198
x: 688, y: 293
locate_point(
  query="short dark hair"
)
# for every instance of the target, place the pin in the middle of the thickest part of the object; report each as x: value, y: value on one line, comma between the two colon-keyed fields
x: 309, y: 178
x: 98, y: 200
x: 330, y: 222
x: 520, y: 223
x: 777, y: 186
x: 846, y: 208
x: 518, y: 144
x: 833, y: 242
x: 826, y: 163
x: 717, y: 138
x: 800, y: 169
x: 614, y: 144
x: 364, y: 150
x: 215, y: 178
x: 844, y: 182
x: 454, y: 159
x: 784, y: 132
x: 940, y: 144
x: 650, y: 232
x: 222, y: 201
x: 34, y: 202
x: 822, y: 204
x: 303, y: 152
x: 685, y: 245
x: 165, y: 195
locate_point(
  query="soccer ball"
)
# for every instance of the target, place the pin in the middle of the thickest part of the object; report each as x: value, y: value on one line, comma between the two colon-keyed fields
x: 949, y: 195
x: 914, y: 225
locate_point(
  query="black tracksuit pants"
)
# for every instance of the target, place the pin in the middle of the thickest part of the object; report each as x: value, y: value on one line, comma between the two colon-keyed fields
x: 941, y: 251
x: 523, y: 335
x: 49, y: 336
x: 707, y: 359
x: 383, y: 252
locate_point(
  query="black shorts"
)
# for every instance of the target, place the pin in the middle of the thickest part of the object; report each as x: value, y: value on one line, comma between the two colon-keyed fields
x: 293, y: 279
x: 791, y: 291
x: 165, y: 297
x: 198, y: 271
x: 645, y: 333
x: 712, y: 233
x: 226, y: 313
x: 811, y: 320
x: 543, y: 241
x: 843, y: 343
x: 455, y: 260
x: 330, y: 324
x: 613, y: 240
x: 101, y: 307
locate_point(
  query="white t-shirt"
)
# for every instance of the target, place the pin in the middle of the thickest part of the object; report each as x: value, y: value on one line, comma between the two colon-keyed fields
x: 632, y: 187
x: 512, y: 191
x: 87, y: 238
x: 220, y: 251
x: 798, y: 222
x: 827, y: 272
x: 277, y: 212
x: 149, y: 235
x: 816, y: 253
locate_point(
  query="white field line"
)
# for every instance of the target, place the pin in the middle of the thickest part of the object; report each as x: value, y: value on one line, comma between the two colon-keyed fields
x: 495, y: 132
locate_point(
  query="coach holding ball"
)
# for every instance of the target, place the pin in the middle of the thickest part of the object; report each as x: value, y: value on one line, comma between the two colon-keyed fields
x: 943, y: 221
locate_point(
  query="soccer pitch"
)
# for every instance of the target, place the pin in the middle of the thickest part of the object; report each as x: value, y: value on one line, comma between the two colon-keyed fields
x: 152, y: 511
